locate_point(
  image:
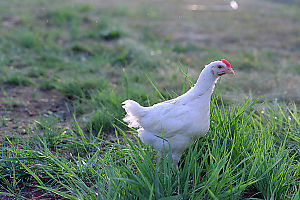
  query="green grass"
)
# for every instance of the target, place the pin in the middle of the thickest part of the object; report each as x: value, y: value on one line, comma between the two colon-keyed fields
x: 96, y: 56
x: 16, y: 78
x: 244, y: 149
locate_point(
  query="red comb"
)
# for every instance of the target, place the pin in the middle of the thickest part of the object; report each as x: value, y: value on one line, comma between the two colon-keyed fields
x: 226, y: 63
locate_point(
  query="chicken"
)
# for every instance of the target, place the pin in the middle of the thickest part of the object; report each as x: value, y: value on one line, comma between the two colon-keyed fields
x: 180, y: 121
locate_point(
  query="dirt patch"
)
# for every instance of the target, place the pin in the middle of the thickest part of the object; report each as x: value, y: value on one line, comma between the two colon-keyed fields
x: 32, y: 193
x: 20, y: 106
x: 10, y: 21
x: 250, y: 193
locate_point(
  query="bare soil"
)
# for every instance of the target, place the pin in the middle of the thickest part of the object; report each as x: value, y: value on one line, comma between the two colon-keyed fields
x: 21, y: 105
x: 32, y: 193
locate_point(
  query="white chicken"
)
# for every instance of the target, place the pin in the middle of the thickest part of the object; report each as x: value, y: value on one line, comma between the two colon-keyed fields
x: 181, y: 120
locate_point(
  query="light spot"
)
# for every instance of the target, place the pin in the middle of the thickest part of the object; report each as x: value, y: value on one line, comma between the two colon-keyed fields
x: 234, y: 5
x: 153, y: 53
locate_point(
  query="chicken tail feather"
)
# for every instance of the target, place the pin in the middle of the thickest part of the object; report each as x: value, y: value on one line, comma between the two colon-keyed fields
x: 134, y: 113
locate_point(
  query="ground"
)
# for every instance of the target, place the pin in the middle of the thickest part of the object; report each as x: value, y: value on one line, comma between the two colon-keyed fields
x: 78, y: 59
x: 20, y: 106
x: 259, y: 38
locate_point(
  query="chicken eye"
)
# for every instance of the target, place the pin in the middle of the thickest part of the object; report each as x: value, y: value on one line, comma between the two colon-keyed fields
x: 219, y: 67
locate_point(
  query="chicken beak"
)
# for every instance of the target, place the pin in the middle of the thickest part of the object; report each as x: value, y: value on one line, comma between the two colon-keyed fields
x: 230, y: 71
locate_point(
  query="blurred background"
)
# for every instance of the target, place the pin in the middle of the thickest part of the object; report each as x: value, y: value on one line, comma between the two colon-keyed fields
x: 87, y: 56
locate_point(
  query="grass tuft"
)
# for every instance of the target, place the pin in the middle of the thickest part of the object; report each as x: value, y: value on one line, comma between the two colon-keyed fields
x: 18, y: 79
x: 243, y: 151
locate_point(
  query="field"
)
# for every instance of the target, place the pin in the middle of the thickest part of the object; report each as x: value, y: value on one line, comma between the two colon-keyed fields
x: 66, y: 67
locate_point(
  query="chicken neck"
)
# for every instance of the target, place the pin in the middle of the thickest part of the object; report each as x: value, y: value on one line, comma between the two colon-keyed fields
x: 205, y: 83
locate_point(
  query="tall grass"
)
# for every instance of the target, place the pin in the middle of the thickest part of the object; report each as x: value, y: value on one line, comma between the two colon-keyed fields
x: 244, y: 150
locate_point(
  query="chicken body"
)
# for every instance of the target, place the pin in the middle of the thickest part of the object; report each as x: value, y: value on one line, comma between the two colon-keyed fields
x: 179, y: 121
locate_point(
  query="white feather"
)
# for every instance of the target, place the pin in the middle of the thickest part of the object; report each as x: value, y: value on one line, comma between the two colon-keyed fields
x: 179, y: 121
